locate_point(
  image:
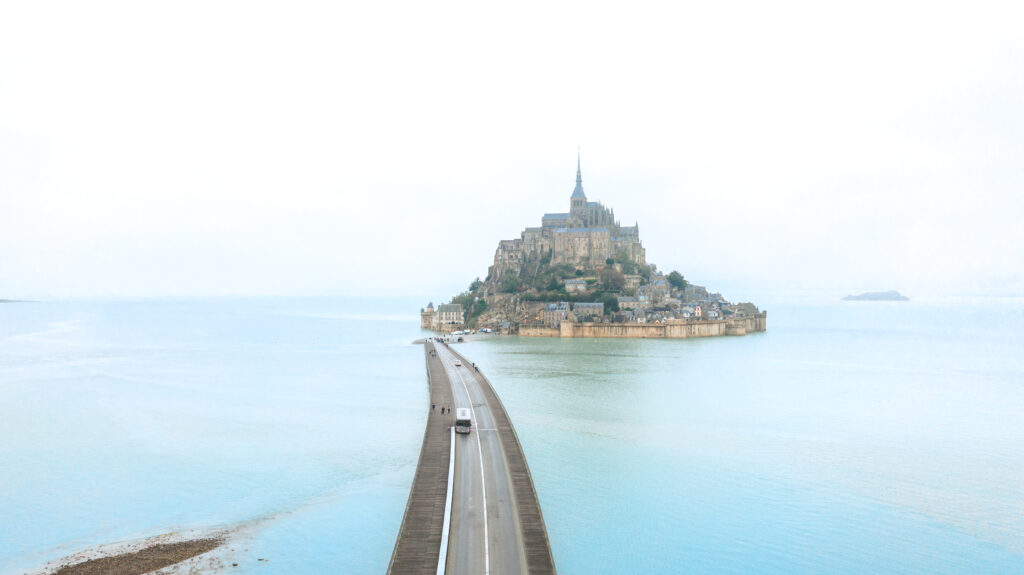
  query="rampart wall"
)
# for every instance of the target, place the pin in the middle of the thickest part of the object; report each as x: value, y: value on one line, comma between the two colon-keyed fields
x: 672, y: 329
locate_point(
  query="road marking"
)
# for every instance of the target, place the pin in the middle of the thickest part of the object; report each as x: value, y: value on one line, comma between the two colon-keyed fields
x: 483, y: 484
x: 442, y: 559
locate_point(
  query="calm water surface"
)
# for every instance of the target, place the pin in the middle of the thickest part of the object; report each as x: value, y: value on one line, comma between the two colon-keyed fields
x: 850, y: 438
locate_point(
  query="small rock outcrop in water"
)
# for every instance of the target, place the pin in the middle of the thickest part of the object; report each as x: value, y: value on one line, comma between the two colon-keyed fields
x: 891, y: 295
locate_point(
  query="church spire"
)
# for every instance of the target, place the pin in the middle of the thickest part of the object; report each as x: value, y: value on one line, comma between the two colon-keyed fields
x: 578, y: 191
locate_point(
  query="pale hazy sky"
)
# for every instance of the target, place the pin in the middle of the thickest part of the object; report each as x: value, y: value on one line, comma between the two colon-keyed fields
x: 212, y: 148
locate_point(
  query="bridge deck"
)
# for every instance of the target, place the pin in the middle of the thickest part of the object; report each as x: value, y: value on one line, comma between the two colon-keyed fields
x: 535, y: 535
x: 419, y: 539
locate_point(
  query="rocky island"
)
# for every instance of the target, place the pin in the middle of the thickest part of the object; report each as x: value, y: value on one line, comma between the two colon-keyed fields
x: 891, y: 295
x: 582, y: 273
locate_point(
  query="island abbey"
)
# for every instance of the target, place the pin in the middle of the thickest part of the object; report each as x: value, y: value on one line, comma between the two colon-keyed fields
x: 586, y: 236
x: 581, y: 273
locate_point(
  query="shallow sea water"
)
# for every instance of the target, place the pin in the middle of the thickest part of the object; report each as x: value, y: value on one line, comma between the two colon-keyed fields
x: 849, y: 438
x: 300, y: 419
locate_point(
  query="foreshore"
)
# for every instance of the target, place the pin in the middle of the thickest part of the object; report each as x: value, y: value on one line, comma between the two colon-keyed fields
x: 136, y: 559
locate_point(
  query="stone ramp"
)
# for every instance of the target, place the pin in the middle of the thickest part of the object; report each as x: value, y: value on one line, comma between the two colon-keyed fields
x: 535, y: 534
x: 419, y: 539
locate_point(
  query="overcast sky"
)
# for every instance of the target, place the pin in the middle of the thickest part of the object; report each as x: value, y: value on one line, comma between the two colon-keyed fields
x: 347, y: 148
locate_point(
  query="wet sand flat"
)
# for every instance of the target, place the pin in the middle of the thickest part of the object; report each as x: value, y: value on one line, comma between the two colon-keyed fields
x: 141, y: 561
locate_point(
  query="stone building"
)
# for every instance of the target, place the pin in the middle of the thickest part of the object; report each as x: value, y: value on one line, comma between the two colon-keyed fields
x: 585, y: 236
x: 427, y: 317
x: 446, y: 317
x: 582, y: 247
x: 450, y: 316
x: 632, y: 281
x: 556, y: 313
x: 575, y: 285
x: 658, y: 292
x: 629, y: 302
x: 588, y: 309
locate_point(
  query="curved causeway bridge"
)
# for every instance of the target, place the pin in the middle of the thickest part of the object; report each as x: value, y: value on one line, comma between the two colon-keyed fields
x: 479, y: 513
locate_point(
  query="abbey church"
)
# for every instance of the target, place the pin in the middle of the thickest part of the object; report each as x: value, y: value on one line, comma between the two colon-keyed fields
x: 585, y: 237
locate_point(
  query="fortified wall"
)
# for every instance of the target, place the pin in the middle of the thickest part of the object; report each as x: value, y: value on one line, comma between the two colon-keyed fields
x: 671, y: 329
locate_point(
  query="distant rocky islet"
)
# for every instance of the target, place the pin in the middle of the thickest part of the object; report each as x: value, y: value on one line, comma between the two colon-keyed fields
x: 891, y: 295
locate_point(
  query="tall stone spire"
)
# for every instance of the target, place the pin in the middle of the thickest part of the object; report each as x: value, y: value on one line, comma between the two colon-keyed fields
x: 578, y: 192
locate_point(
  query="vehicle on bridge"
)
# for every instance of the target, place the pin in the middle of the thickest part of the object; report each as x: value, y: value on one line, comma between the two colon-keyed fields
x: 458, y: 363
x: 463, y: 420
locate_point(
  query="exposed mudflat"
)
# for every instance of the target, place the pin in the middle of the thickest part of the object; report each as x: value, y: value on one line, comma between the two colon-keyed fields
x: 142, y: 560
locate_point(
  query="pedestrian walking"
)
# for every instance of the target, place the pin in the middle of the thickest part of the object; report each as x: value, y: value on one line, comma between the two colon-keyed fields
x: 432, y: 406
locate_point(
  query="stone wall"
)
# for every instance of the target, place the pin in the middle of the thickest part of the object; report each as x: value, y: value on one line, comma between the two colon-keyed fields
x: 668, y: 330
x: 583, y: 247
x: 538, y: 331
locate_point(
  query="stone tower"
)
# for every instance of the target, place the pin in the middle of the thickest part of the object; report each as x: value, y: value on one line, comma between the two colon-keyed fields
x: 427, y: 316
x: 578, y: 200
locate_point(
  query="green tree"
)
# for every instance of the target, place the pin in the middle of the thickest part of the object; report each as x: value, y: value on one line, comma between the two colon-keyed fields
x: 508, y: 283
x: 611, y: 303
x: 475, y: 285
x: 612, y: 279
x: 676, y: 280
x: 609, y: 262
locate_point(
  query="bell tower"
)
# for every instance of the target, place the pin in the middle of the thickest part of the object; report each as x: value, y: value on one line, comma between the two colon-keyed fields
x: 578, y: 200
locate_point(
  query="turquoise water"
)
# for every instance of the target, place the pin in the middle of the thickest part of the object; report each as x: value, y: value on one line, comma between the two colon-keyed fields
x: 850, y: 438
x: 302, y: 419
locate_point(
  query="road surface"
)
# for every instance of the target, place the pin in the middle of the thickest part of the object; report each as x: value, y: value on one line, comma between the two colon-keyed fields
x: 493, y: 522
x: 485, y: 533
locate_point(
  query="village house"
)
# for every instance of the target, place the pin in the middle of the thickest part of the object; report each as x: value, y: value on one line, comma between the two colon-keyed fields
x: 588, y: 309
x: 628, y: 302
x: 556, y: 313
x: 575, y: 285
x: 624, y: 316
